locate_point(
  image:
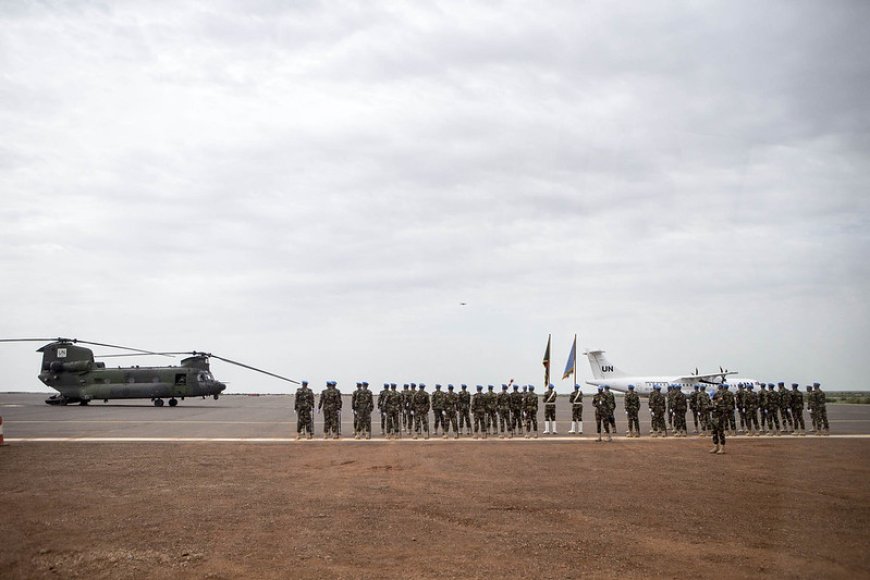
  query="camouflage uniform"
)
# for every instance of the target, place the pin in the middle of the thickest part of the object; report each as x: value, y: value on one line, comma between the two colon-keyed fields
x: 353, y: 397
x: 704, y: 407
x: 772, y: 409
x: 762, y: 407
x: 503, y: 403
x: 363, y: 412
x: 478, y: 409
x: 740, y: 400
x: 330, y: 402
x: 680, y: 407
x: 693, y: 405
x: 451, y: 402
x: 303, y: 404
x: 730, y: 405
x: 599, y: 401
x: 530, y: 408
x: 491, y: 411
x: 751, y: 411
x: 407, y: 408
x: 394, y: 412
x: 463, y: 406
x: 785, y: 408
x: 517, y: 402
x: 669, y: 398
x: 657, y: 410
x: 719, y: 420
x: 550, y: 410
x: 797, y: 409
x: 382, y: 401
x: 421, y: 411
x: 821, y: 408
x: 576, y: 400
x: 611, y: 408
x: 438, y: 409
x: 632, y: 408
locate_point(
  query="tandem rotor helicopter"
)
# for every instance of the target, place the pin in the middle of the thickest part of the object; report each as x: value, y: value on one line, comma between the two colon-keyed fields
x: 72, y: 371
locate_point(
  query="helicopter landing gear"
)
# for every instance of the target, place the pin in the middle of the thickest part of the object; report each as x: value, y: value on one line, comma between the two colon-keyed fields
x: 216, y: 397
x: 173, y: 402
x: 158, y: 402
x: 84, y: 402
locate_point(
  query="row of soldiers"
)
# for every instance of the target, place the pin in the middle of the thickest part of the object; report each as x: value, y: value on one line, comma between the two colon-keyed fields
x: 510, y: 414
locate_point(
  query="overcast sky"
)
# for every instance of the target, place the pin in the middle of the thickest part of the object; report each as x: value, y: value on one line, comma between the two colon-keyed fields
x: 315, y: 187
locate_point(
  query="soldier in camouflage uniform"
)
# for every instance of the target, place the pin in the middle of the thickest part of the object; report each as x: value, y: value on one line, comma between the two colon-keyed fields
x: 382, y: 401
x: 517, y: 401
x: 353, y: 397
x: 693, y: 405
x: 451, y: 403
x: 611, y: 408
x: 407, y: 397
x: 773, y: 409
x: 657, y: 412
x: 785, y: 408
x: 463, y: 407
x: 797, y: 410
x: 491, y: 411
x: 478, y: 410
x: 438, y: 409
x: 669, y: 401
x: 751, y: 411
x: 705, y: 405
x: 811, y: 407
x: 530, y: 408
x: 599, y: 401
x: 740, y: 400
x: 681, y: 405
x: 303, y: 404
x: 762, y: 406
x: 730, y: 424
x: 503, y: 403
x: 363, y: 412
x: 330, y: 403
x: 393, y: 406
x: 719, y: 420
x: 422, y: 404
x: 632, y: 408
x: 576, y: 400
x: 821, y: 404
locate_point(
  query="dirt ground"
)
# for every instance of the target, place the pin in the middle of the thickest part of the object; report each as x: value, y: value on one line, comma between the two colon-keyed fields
x: 780, y: 508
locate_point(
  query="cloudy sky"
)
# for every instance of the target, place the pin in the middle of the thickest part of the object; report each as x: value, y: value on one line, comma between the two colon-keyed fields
x: 315, y: 187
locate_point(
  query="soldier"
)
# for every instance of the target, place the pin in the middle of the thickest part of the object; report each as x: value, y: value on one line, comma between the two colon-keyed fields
x: 657, y: 412
x: 438, y: 408
x: 811, y: 407
x: 303, y: 404
x: 363, y: 412
x: 478, y: 409
x: 773, y: 409
x: 530, y: 407
x: 394, y: 413
x: 516, y: 402
x: 730, y: 403
x: 704, y: 407
x: 576, y: 400
x: 632, y: 408
x: 751, y: 411
x: 550, y: 410
x: 693, y: 405
x: 740, y: 400
x: 451, y: 403
x: 353, y: 397
x: 762, y: 406
x: 821, y: 409
x: 797, y: 410
x: 463, y: 406
x: 406, y: 408
x: 680, y: 407
x: 785, y: 408
x: 382, y: 401
x: 421, y: 411
x: 491, y: 412
x: 330, y: 403
x: 503, y: 404
x: 669, y: 400
x: 611, y: 408
x: 719, y: 419
x: 599, y: 401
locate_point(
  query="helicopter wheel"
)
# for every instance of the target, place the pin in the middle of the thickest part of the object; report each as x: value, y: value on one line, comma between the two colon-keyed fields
x: 158, y: 402
x: 83, y: 403
x: 173, y: 402
x: 215, y: 397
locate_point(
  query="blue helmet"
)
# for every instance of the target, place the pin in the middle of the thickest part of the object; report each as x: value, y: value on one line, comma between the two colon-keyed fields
x: 657, y: 387
x: 479, y: 387
x: 531, y: 387
x: 576, y: 387
x: 600, y: 387
x: 630, y: 387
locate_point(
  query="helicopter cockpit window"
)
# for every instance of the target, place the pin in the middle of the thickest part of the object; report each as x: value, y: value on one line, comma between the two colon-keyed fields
x: 181, y: 378
x: 205, y: 377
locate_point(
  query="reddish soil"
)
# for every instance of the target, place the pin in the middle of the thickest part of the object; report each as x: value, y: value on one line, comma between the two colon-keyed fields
x: 781, y: 508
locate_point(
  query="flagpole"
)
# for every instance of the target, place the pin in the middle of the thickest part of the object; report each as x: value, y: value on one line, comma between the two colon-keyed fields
x: 575, y: 359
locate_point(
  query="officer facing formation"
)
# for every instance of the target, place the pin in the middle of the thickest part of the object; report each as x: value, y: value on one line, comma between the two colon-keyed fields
x: 632, y: 408
x: 303, y: 404
x: 576, y: 400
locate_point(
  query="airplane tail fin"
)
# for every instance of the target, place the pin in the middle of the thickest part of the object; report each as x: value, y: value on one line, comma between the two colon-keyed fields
x: 601, y: 367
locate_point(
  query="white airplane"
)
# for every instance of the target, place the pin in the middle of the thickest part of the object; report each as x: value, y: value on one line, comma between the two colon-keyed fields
x: 606, y: 374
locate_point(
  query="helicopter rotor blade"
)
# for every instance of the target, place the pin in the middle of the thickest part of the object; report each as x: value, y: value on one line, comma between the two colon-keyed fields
x: 133, y: 354
x: 249, y: 367
x: 76, y: 340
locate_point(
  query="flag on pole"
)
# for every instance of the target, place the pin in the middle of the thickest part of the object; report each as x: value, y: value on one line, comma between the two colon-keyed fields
x: 547, y: 362
x: 572, y: 360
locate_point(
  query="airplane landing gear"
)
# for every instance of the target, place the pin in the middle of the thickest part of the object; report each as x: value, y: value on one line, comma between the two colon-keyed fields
x: 173, y: 402
x: 158, y: 402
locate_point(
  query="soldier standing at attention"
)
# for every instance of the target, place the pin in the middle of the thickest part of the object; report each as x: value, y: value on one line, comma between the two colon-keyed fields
x: 491, y: 412
x: 797, y: 410
x: 680, y: 408
x: 611, y: 408
x: 422, y: 404
x: 762, y: 406
x: 740, y: 400
x: 363, y: 411
x: 657, y: 412
x: 811, y: 407
x: 303, y: 403
x: 719, y: 420
x: 530, y: 407
x: 353, y: 397
x: 669, y: 400
x: 693, y: 405
x: 438, y: 408
x: 478, y: 409
x: 704, y: 406
x: 632, y: 408
x: 503, y: 404
x: 599, y: 401
x: 406, y: 415
x: 550, y: 410
x: 451, y: 401
x: 751, y: 410
x: 821, y: 409
x: 517, y: 400
x: 394, y: 413
x: 785, y: 408
x: 463, y: 405
x: 576, y: 400
x: 730, y: 403
x: 330, y: 403
x: 773, y: 409
x: 382, y: 402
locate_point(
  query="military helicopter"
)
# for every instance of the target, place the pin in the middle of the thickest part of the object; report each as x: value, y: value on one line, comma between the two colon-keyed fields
x: 72, y: 371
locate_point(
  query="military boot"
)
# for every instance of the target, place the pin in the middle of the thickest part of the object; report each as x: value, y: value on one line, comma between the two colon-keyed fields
x: 571, y: 430
x: 599, y: 438
x: 715, y: 449
x: 721, y: 450
x: 609, y: 437
x: 310, y: 435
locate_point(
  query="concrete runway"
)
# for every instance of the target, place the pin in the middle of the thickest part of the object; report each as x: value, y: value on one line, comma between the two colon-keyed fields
x: 265, y: 418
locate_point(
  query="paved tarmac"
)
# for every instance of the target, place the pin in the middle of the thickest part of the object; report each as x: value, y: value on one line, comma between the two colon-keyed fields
x: 263, y: 418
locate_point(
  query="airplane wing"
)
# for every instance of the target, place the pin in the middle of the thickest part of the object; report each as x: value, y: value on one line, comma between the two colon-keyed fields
x: 707, y: 378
